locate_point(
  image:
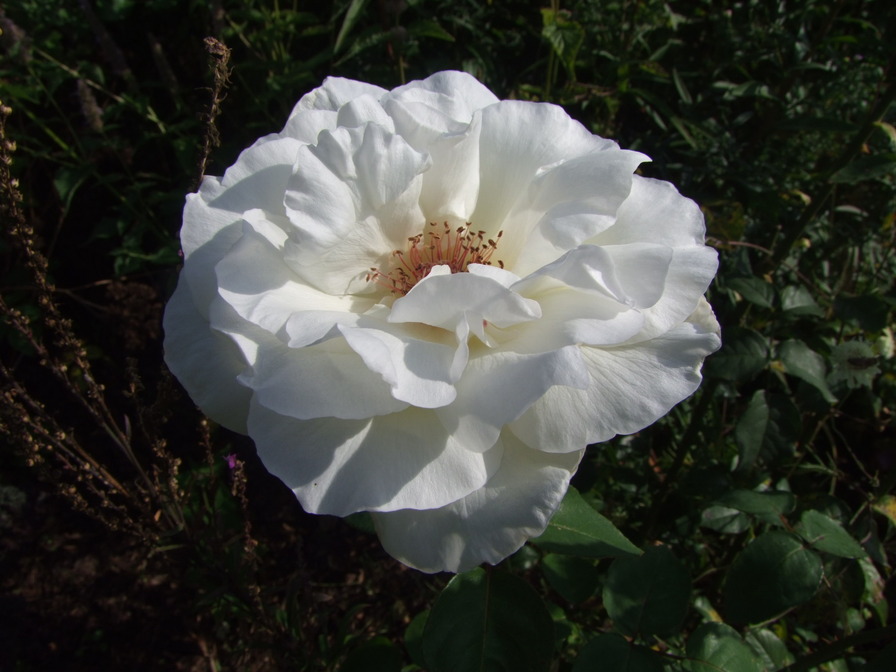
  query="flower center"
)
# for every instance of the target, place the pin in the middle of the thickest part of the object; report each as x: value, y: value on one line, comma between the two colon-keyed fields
x: 438, y: 246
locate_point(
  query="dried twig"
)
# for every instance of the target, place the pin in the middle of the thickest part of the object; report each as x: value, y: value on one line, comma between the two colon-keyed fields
x: 221, y: 76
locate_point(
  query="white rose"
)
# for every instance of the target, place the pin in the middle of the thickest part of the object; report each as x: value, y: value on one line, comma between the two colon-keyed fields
x: 425, y: 302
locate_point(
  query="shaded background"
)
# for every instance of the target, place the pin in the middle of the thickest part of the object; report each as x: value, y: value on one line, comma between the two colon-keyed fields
x: 763, y: 112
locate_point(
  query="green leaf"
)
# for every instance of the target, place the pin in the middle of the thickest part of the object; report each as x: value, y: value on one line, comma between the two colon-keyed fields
x: 648, y: 595
x: 725, y: 520
x: 488, y: 621
x: 66, y: 182
x: 683, y: 92
x: 368, y: 38
x: 716, y: 647
x: 769, y: 426
x: 351, y: 18
x: 564, y: 36
x: 755, y: 290
x: 769, y: 649
x: 744, y: 353
x: 797, y: 300
x: 804, y: 363
x: 430, y: 28
x: 577, y: 529
x: 775, y: 503
x: 413, y: 637
x: 377, y: 655
x: 575, y: 579
x: 888, y: 129
x: 866, y: 168
x: 771, y: 575
x: 613, y: 653
x: 827, y: 535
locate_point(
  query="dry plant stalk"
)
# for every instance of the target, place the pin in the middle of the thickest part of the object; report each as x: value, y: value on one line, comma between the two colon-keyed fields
x: 136, y: 506
x: 220, y: 77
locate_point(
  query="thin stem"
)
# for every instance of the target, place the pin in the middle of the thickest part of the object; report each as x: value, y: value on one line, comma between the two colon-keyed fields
x: 682, y: 450
x: 790, y: 236
x: 836, y: 649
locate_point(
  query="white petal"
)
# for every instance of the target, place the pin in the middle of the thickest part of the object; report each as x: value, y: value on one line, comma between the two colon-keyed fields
x: 518, y: 139
x: 213, y: 217
x: 442, y: 103
x: 206, y: 362
x: 572, y: 317
x: 390, y: 462
x: 569, y: 203
x: 451, y: 186
x: 418, y: 371
x: 488, y: 525
x: 454, y: 299
x: 353, y: 199
x: 328, y: 379
x: 317, y: 110
x: 247, y: 337
x: 631, y: 387
x: 655, y: 212
x: 633, y: 274
x: 690, y: 273
x: 262, y: 289
x: 364, y: 110
x: 259, y: 177
x: 497, y: 387
x: 333, y: 94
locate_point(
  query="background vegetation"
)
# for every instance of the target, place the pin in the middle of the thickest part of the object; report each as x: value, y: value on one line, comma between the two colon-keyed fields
x: 754, y: 526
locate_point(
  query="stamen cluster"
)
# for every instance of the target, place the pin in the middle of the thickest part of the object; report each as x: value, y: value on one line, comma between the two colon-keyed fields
x: 455, y: 248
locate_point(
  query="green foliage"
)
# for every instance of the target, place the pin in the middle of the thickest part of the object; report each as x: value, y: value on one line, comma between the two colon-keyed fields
x: 578, y: 529
x: 614, y: 652
x: 751, y: 530
x: 715, y: 646
x: 648, y: 595
x: 488, y: 620
x: 788, y: 572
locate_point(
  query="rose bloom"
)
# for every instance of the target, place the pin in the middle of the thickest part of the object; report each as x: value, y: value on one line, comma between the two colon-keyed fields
x: 425, y: 302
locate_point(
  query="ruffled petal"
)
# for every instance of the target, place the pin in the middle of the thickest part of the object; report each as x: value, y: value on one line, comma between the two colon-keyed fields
x: 327, y: 379
x: 258, y: 178
x: 206, y: 362
x: 656, y: 212
x: 463, y: 302
x: 377, y: 464
x: 569, y: 203
x: 632, y: 275
x: 333, y: 94
x: 442, y: 103
x: 497, y: 387
x: 213, y: 216
x: 364, y: 110
x: 488, y: 525
x: 353, y: 199
x: 262, y: 289
x: 451, y: 186
x: 572, y: 317
x: 318, y: 110
x: 517, y: 141
x: 630, y: 387
x: 420, y: 372
x: 690, y: 273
